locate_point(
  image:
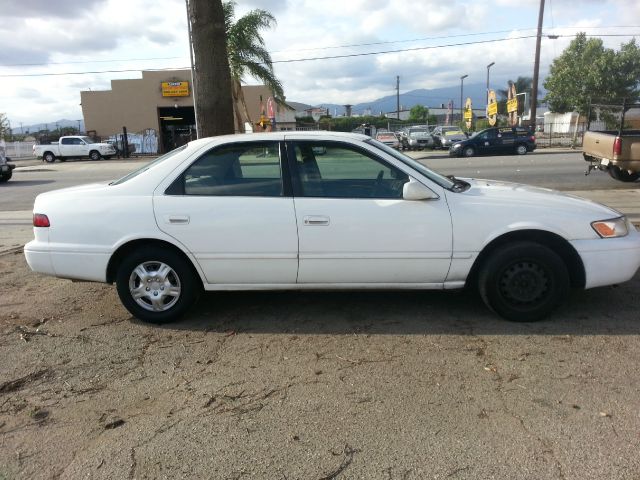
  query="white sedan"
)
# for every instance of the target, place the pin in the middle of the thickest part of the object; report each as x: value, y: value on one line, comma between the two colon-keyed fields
x: 324, y: 210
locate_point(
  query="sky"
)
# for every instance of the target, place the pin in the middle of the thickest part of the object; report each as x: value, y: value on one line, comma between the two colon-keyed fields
x: 328, y: 51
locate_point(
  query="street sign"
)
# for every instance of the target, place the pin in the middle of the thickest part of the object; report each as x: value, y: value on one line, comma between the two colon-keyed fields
x: 468, y: 113
x: 492, y: 108
x: 512, y: 100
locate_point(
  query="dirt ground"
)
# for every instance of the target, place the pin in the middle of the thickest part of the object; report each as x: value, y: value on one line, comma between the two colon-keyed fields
x: 393, y: 385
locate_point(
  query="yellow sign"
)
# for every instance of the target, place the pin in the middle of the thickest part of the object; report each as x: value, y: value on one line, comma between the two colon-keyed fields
x: 512, y: 105
x: 492, y: 108
x: 175, y: 89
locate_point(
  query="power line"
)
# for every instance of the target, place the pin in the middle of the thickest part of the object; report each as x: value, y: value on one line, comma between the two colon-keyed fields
x: 308, y: 59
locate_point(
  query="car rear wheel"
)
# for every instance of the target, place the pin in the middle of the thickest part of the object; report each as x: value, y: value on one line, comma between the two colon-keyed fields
x: 523, y: 281
x: 49, y: 157
x: 468, y: 152
x: 94, y: 155
x: 6, y: 177
x: 156, y: 285
x: 521, y: 149
x: 622, y: 175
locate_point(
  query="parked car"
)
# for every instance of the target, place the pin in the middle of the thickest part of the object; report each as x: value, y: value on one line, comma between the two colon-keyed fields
x: 263, y: 212
x: 388, y: 138
x: 74, y: 146
x: 445, y: 136
x: 417, y: 138
x: 496, y: 141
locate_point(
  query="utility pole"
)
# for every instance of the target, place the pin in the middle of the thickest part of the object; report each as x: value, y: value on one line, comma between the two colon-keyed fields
x: 536, y: 70
x: 398, y: 97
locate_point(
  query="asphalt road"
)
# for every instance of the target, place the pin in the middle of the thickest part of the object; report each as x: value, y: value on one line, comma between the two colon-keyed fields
x: 557, y: 169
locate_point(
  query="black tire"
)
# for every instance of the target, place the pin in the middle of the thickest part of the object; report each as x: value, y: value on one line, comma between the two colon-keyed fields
x: 173, y: 291
x: 468, y: 151
x: 94, y: 155
x: 6, y: 177
x: 523, y: 281
x: 521, y: 149
x: 49, y: 157
x: 622, y: 175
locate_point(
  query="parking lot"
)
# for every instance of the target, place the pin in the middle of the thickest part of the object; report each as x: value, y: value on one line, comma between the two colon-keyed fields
x: 314, y: 385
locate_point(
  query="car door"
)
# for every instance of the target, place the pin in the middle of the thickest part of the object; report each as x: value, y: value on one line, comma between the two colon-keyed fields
x: 232, y: 210
x: 354, y: 227
x: 487, y: 142
x: 71, y: 147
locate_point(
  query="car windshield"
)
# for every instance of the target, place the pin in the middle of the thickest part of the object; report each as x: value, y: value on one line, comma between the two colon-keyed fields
x: 88, y: 140
x: 146, y: 167
x: 438, y: 178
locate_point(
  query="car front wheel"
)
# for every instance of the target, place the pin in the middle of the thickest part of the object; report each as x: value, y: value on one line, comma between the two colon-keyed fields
x: 156, y: 285
x: 523, y: 281
x: 94, y: 155
x: 468, y: 152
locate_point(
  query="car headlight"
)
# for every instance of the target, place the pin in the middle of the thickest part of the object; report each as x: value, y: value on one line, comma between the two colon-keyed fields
x: 614, y: 227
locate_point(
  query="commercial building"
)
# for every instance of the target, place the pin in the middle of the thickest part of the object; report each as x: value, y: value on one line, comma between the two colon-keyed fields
x: 160, y: 105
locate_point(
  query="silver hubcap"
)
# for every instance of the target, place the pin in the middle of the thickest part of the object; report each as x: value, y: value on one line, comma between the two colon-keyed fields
x: 155, y: 286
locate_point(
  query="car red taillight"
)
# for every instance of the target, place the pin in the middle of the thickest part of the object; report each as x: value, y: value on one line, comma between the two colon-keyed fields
x: 617, y: 146
x: 532, y: 138
x: 40, y: 220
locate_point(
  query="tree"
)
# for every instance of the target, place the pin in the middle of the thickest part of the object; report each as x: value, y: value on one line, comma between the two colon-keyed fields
x: 587, y: 71
x: 523, y: 85
x: 420, y: 113
x: 248, y: 56
x: 214, y: 104
x: 4, y: 126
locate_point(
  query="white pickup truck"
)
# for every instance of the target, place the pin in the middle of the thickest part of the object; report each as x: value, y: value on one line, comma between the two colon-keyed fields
x: 74, y: 147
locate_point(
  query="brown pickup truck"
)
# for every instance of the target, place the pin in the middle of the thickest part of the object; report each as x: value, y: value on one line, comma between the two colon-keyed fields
x: 614, y: 151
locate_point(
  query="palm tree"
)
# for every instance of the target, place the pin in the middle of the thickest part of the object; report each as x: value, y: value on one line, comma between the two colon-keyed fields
x: 248, y: 56
x: 214, y: 105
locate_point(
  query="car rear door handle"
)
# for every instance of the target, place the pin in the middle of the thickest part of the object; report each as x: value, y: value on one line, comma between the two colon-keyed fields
x: 316, y: 220
x: 177, y: 219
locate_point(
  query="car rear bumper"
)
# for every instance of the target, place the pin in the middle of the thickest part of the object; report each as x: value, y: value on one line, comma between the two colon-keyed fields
x: 608, y: 261
x: 67, y: 263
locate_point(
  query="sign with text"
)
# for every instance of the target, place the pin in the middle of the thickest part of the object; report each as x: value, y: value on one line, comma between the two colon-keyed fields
x: 492, y: 108
x: 175, y: 89
x: 512, y: 105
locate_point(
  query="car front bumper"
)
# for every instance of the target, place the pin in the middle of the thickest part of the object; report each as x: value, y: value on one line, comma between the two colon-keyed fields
x: 608, y: 261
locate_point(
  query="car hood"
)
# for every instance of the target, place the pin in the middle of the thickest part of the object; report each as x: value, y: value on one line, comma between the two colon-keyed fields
x: 526, y: 197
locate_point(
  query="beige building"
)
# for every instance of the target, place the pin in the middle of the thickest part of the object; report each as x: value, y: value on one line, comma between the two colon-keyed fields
x: 161, y: 103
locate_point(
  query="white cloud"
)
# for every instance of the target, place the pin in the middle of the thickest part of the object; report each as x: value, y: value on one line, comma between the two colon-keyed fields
x: 109, y: 34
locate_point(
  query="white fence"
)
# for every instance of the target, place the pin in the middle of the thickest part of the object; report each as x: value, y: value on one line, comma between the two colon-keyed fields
x: 19, y: 149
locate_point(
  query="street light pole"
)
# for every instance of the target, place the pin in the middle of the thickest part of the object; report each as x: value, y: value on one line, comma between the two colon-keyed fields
x: 488, y: 67
x: 461, y: 91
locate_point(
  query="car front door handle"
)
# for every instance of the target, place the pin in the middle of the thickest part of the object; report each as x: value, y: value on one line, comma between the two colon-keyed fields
x: 316, y: 220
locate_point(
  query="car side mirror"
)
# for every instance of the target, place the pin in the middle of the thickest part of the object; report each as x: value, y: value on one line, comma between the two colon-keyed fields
x: 414, y: 190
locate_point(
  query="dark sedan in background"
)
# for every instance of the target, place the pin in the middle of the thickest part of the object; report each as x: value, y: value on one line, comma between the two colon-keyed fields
x: 496, y: 141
